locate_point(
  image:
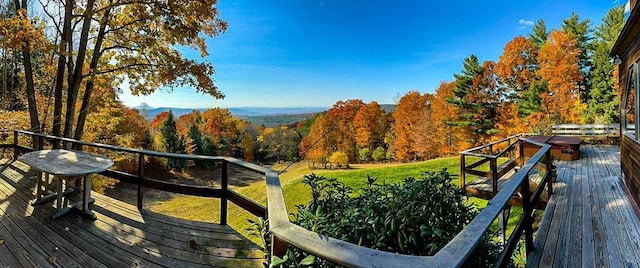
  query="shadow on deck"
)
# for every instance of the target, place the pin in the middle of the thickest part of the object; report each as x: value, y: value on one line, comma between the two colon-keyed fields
x: 589, y: 221
x: 122, y: 236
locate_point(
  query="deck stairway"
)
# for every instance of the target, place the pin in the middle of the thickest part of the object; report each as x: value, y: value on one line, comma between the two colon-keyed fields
x: 486, y: 169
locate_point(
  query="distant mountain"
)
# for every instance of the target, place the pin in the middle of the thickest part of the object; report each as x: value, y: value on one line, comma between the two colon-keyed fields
x: 389, y: 108
x: 244, y: 112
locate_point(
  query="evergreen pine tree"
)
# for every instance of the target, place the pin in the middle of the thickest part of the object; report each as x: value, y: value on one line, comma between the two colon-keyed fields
x: 531, y: 101
x: 539, y: 34
x: 172, y: 143
x: 197, y: 145
x: 476, y: 93
x: 581, y: 31
x: 603, y: 99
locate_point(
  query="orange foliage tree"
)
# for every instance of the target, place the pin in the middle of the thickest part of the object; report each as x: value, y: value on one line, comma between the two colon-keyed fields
x: 370, y: 125
x: 342, y: 115
x: 448, y: 139
x: 559, y: 66
x: 517, y: 65
x: 412, y: 129
x: 315, y: 147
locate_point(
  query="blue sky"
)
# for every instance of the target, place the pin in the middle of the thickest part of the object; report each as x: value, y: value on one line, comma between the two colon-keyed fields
x: 316, y: 52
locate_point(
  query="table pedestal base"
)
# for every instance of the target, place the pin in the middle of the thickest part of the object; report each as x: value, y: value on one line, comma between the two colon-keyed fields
x: 43, y: 194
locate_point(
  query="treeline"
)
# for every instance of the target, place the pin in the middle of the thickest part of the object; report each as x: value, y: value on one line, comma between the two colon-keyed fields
x: 548, y: 77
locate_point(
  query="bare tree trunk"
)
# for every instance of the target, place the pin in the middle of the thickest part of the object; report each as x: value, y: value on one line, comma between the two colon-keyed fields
x: 74, y: 87
x: 86, y: 99
x: 62, y: 59
x: 28, y: 73
x: 5, y: 63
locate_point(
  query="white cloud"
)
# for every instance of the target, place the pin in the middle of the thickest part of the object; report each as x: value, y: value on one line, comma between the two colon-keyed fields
x: 525, y: 24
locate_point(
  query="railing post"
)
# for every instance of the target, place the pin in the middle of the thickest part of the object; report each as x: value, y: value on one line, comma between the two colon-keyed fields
x: 521, y: 153
x: 527, y: 207
x: 462, y: 172
x: 140, y: 179
x: 15, y: 145
x: 278, y: 247
x: 223, y: 198
x: 494, y: 174
x: 40, y: 143
x: 491, y: 149
x: 549, y: 171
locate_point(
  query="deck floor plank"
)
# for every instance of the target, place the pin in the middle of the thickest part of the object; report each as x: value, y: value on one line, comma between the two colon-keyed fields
x: 589, y: 222
x: 122, y: 236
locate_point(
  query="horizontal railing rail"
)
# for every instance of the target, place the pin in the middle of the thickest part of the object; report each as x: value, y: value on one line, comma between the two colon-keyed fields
x: 454, y: 254
x: 596, y: 131
x: 141, y: 181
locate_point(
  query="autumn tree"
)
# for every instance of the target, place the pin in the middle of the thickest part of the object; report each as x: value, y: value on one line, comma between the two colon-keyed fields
x: 229, y: 135
x: 136, y: 41
x: 185, y: 121
x: 370, y: 125
x: 278, y: 143
x: 342, y: 115
x: 413, y: 139
x: 316, y: 146
x: 603, y: 101
x: 517, y: 71
x: 559, y: 66
x: 477, y: 96
x: 446, y: 137
x: 110, y: 122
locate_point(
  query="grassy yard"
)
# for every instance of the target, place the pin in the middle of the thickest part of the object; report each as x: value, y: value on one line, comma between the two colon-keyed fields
x: 207, y: 209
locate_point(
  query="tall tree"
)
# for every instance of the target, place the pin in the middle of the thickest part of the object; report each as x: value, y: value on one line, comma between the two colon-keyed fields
x: 581, y: 31
x: 539, y: 35
x: 172, y: 142
x: 342, y: 114
x: 517, y: 70
x: 370, y: 124
x: 559, y: 65
x: 412, y: 123
x: 134, y: 41
x: 477, y: 95
x: 29, y: 34
x: 446, y: 137
x: 603, y: 100
x: 316, y: 146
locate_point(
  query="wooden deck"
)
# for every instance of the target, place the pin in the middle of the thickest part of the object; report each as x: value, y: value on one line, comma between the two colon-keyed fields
x: 589, y: 221
x: 122, y: 236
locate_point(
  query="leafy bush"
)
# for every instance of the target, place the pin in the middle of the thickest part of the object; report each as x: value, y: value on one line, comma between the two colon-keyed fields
x: 339, y: 159
x: 417, y: 217
x: 379, y: 154
x: 363, y: 155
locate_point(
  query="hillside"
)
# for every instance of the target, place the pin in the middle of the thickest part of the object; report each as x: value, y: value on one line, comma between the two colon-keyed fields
x: 278, y: 120
x: 271, y: 113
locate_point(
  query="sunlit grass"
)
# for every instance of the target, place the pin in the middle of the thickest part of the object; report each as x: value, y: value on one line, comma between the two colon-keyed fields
x: 295, y: 192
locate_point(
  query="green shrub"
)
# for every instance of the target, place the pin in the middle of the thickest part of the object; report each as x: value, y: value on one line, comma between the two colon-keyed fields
x: 417, y: 217
x: 379, y: 154
x: 364, y: 155
x: 339, y: 159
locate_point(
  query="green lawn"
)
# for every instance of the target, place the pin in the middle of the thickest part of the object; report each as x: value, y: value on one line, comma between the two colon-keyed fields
x: 207, y: 209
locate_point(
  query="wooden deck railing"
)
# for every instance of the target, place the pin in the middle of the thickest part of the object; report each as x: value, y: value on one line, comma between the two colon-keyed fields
x: 340, y: 252
x: 141, y: 180
x: 587, y: 131
x: 490, y: 153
